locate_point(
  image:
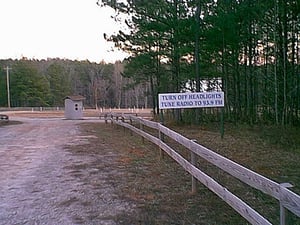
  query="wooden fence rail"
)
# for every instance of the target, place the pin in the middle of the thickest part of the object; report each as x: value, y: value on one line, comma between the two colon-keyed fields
x: 286, y: 197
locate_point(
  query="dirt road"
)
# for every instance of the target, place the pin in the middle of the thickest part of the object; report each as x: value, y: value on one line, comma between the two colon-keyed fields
x: 42, y: 182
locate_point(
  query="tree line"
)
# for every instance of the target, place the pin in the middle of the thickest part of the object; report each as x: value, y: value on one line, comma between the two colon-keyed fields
x: 45, y: 83
x: 250, y: 49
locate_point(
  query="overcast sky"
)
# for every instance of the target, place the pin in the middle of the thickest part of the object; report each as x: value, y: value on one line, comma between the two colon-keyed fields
x: 41, y: 29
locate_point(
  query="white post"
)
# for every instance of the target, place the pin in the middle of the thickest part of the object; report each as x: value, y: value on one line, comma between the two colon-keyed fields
x: 7, y: 85
x: 282, y: 209
x: 193, y: 162
x: 160, y: 136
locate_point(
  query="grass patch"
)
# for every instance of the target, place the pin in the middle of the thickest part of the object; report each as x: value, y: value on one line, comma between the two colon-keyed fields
x: 161, y: 189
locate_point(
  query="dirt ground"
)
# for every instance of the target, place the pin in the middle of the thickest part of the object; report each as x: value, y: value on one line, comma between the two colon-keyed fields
x: 56, y: 171
x: 43, y: 182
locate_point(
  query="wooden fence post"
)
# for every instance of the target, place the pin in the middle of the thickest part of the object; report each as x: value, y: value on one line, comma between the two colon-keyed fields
x: 193, y: 162
x: 123, y: 120
x: 162, y: 121
x: 117, y: 119
x: 282, y: 209
x: 161, y: 139
x: 131, y: 125
x: 105, y: 118
x: 142, y: 129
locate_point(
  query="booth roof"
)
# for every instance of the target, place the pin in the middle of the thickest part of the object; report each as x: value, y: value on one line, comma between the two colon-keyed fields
x: 75, y: 97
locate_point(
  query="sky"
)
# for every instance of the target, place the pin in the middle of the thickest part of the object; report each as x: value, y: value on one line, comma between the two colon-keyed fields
x: 66, y: 29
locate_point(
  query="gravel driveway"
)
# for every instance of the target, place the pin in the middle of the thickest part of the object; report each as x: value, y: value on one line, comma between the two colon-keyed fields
x: 42, y: 182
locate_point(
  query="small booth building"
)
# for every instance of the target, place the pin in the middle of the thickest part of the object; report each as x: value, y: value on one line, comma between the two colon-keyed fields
x: 74, y: 107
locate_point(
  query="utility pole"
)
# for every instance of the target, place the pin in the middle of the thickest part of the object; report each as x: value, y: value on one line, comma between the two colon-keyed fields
x: 7, y: 85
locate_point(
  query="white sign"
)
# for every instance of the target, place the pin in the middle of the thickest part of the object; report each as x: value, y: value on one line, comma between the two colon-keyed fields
x: 191, y: 100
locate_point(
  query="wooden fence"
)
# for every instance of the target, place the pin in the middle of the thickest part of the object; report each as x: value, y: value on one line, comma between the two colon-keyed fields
x: 287, y: 199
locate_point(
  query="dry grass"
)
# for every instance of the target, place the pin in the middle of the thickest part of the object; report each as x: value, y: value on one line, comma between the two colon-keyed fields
x: 162, y: 190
